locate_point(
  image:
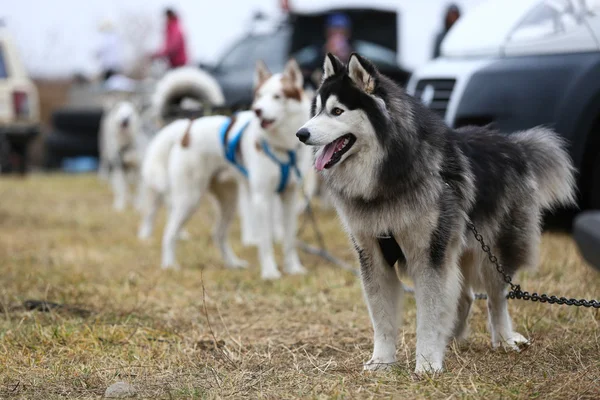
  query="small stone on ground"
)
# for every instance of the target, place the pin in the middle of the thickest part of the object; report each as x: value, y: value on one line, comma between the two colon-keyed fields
x: 119, y: 390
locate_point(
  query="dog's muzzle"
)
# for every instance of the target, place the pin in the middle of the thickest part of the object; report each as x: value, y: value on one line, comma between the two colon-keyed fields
x: 303, y: 135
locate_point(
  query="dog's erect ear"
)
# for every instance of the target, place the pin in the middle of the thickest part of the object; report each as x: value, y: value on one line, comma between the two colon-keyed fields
x: 331, y: 66
x: 362, y: 73
x: 261, y: 74
x: 292, y: 71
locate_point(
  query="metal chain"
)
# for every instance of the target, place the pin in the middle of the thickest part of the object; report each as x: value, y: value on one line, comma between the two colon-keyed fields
x: 516, y: 292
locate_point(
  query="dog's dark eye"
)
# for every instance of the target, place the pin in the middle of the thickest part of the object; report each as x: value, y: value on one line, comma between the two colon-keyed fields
x: 337, y: 111
x: 276, y: 97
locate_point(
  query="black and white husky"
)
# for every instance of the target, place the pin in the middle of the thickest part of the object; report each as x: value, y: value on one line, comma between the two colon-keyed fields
x: 405, y: 185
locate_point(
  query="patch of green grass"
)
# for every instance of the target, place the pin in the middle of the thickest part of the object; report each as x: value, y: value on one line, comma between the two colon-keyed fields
x: 206, y: 332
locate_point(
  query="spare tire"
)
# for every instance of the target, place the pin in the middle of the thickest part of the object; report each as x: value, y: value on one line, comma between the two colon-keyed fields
x: 181, y: 83
x: 78, y: 122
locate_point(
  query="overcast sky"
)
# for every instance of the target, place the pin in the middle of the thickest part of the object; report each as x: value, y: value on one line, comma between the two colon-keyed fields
x: 58, y: 37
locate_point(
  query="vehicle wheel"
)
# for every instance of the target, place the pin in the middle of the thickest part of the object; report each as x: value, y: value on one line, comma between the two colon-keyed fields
x: 594, y: 200
x: 78, y: 122
x: 5, y: 165
x: 587, y: 236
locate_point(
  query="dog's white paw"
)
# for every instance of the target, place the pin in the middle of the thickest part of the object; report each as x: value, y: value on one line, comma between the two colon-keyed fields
x: 513, y: 341
x: 296, y: 269
x: 425, y: 367
x: 236, y: 263
x: 378, y: 364
x: 119, y: 206
x: 172, y: 266
x: 271, y: 274
x: 184, y: 235
x: 249, y: 241
x: 144, y: 234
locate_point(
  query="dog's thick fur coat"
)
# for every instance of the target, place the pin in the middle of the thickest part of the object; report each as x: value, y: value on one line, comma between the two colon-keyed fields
x: 393, y: 167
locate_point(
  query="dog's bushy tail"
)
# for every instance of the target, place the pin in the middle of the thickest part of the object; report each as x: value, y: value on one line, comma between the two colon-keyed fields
x: 185, y: 82
x: 551, y: 164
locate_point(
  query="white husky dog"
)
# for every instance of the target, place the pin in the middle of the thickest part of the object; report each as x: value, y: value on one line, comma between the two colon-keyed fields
x: 121, y: 143
x: 254, y: 154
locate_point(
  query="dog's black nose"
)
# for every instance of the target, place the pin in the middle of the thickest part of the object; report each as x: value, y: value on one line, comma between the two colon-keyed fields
x: 258, y: 112
x: 125, y: 123
x: 303, y: 134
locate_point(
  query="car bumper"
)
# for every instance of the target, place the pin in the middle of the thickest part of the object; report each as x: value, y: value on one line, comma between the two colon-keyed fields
x: 457, y: 72
x: 20, y: 133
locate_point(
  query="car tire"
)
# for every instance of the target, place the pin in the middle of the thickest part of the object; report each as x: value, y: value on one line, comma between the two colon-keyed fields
x: 586, y: 233
x: 594, y: 199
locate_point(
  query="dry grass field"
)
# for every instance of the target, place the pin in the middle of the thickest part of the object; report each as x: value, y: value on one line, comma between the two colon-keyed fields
x: 208, y: 332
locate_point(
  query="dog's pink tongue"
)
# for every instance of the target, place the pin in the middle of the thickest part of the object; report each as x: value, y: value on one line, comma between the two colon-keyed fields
x: 325, y: 156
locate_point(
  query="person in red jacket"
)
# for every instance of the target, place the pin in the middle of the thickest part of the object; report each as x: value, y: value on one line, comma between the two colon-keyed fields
x: 174, y: 48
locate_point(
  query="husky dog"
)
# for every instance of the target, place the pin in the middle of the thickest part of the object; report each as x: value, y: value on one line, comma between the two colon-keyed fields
x: 405, y: 185
x: 121, y: 142
x: 203, y: 160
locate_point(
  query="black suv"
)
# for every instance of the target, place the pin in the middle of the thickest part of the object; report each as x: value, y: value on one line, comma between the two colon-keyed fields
x: 374, y: 35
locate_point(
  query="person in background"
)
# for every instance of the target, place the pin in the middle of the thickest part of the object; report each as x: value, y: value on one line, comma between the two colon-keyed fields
x: 451, y: 16
x: 109, y: 54
x: 337, y: 36
x: 174, y: 49
x: 337, y: 41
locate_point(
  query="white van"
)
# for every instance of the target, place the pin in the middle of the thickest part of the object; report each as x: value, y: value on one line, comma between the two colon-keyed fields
x: 19, y: 107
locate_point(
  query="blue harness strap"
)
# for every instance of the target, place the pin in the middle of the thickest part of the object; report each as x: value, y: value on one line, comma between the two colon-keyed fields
x: 285, y: 167
x: 231, y: 147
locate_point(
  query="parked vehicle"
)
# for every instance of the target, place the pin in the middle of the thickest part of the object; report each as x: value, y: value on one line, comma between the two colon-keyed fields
x: 586, y: 232
x: 19, y: 107
x: 521, y: 63
x: 301, y: 35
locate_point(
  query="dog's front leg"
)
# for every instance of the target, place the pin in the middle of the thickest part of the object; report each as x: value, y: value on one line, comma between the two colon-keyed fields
x: 119, y: 185
x: 292, y: 263
x: 383, y: 294
x: 262, y: 203
x: 437, y: 289
x: 247, y: 217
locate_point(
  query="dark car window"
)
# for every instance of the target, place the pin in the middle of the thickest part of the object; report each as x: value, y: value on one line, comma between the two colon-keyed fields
x: 239, y: 54
x: 378, y: 54
x: 272, y: 49
x: 3, y: 71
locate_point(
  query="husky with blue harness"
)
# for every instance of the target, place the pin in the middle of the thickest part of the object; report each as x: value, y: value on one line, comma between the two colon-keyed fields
x: 252, y: 156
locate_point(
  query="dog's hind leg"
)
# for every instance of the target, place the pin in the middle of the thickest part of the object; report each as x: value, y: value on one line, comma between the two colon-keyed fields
x: 119, y: 184
x: 517, y: 245
x: 183, y: 233
x: 183, y: 205
x: 249, y: 234
x: 499, y: 320
x: 262, y: 204
x: 383, y: 293
x: 151, y: 201
x: 226, y: 194
x: 469, y: 270
x: 292, y: 264
x: 277, y: 218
